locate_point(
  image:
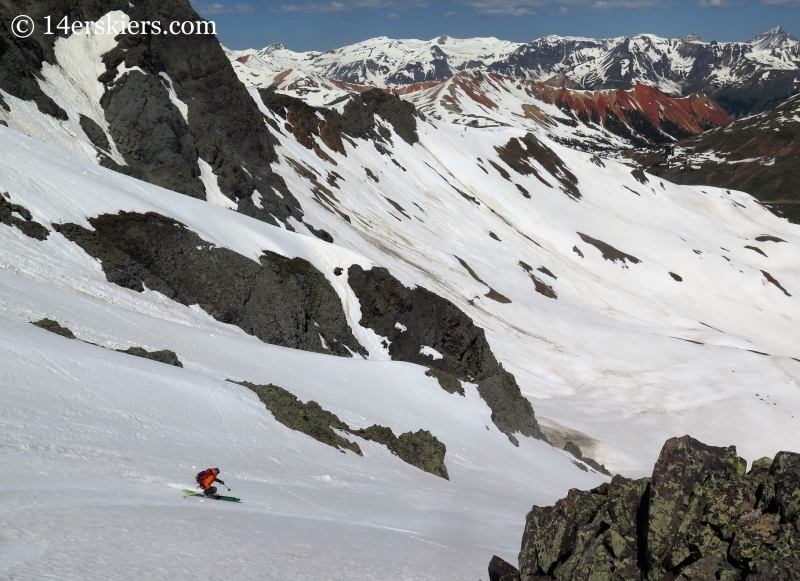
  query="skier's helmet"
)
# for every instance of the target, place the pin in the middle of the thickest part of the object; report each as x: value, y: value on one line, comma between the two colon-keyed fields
x: 216, y: 470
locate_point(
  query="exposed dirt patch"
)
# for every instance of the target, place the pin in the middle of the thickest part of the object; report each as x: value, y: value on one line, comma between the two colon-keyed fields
x: 544, y: 270
x: 517, y: 155
x: 523, y: 191
x: 541, y: 287
x: 492, y: 294
x: 371, y: 175
x: 756, y: 249
x: 577, y: 251
x: 774, y: 281
x: 639, y: 175
x: 676, y: 276
x: 769, y: 238
x: 608, y: 251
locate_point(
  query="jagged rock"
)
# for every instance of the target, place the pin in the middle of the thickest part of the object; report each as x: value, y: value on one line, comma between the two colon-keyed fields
x: 573, y: 449
x: 696, y: 519
x: 420, y: 449
x: 54, y: 327
x: 434, y: 322
x: 447, y: 382
x: 23, y: 219
x: 163, y: 356
x: 308, y: 418
x: 501, y: 570
x: 281, y: 301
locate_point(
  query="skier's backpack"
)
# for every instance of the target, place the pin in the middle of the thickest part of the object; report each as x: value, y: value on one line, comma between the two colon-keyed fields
x: 203, y: 475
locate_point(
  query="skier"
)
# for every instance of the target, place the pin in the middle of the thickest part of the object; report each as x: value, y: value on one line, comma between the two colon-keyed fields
x: 206, y: 478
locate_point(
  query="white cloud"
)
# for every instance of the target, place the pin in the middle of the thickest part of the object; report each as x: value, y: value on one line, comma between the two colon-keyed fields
x: 215, y: 8
x: 488, y: 8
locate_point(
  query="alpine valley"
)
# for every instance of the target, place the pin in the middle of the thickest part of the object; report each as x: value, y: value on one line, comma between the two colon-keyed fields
x: 398, y: 293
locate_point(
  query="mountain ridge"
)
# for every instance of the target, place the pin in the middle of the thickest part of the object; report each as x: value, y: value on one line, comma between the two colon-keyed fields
x: 745, y: 77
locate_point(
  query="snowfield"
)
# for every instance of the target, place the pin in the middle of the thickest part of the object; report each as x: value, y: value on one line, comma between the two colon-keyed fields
x: 665, y: 323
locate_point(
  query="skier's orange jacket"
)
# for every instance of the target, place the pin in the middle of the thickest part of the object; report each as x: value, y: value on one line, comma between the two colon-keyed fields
x: 207, y: 477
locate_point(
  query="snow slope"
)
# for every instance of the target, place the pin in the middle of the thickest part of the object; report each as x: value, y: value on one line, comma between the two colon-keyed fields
x: 100, y: 443
x: 676, y: 330
x: 614, y: 357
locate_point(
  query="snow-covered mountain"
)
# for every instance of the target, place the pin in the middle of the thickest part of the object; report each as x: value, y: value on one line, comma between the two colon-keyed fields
x: 420, y: 308
x: 744, y: 77
x: 385, y: 62
x: 593, y: 121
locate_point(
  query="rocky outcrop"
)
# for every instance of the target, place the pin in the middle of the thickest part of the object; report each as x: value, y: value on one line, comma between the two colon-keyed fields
x: 223, y: 125
x: 700, y: 517
x: 164, y: 356
x: 420, y: 449
x: 357, y: 119
x: 424, y: 328
x: 575, y: 450
x: 280, y: 300
x: 447, y: 382
x: 516, y: 154
x: 20, y: 217
x: 54, y: 327
x: 159, y: 142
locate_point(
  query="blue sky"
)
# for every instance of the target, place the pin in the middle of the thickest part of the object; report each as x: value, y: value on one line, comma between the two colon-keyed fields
x: 325, y: 24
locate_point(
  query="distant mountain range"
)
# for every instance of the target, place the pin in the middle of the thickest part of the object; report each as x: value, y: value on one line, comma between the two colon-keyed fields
x: 744, y: 77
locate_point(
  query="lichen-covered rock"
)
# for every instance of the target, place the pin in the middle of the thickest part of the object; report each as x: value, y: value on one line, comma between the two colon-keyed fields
x: 501, y: 570
x: 54, y: 327
x: 682, y: 464
x: 697, y: 519
x: 164, y: 356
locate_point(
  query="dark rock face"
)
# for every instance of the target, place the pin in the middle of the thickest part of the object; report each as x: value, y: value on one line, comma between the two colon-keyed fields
x: 54, y: 327
x: 308, y: 418
x: 95, y: 133
x: 516, y: 155
x: 163, y: 356
x: 500, y: 570
x: 23, y: 220
x: 432, y: 321
x: 447, y: 382
x: 224, y: 127
x: 699, y: 518
x: 356, y: 120
x: 575, y: 450
x: 279, y: 300
x: 608, y: 251
x: 151, y: 135
x: 420, y: 449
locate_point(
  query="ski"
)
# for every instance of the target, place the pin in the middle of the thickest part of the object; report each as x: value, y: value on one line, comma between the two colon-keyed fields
x: 188, y: 493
